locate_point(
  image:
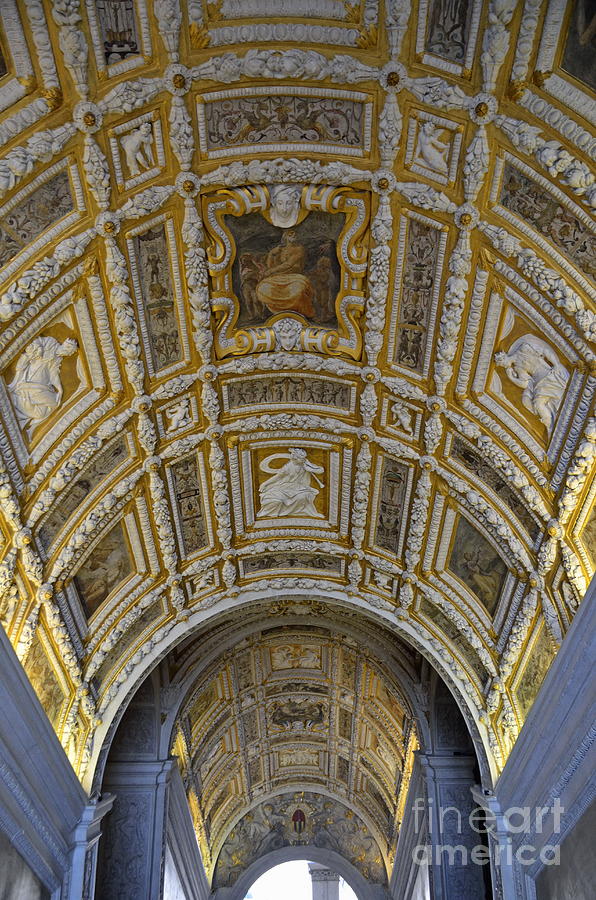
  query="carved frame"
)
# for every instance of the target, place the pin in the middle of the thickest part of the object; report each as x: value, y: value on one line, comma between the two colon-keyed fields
x: 231, y: 340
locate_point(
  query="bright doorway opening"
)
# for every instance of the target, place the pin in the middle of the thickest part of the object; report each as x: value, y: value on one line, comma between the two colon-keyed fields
x: 293, y: 881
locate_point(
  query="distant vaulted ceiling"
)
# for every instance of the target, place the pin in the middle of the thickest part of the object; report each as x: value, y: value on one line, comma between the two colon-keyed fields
x: 296, y: 299
x: 266, y: 712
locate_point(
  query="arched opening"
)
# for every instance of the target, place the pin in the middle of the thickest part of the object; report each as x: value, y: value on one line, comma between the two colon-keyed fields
x: 301, y: 879
x: 298, y: 735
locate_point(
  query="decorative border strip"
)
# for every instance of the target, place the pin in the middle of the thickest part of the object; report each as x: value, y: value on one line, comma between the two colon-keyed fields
x: 366, y: 100
x: 54, y: 229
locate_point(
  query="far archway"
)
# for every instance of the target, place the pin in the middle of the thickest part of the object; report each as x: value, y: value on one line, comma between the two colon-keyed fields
x: 356, y: 887
x: 291, y: 709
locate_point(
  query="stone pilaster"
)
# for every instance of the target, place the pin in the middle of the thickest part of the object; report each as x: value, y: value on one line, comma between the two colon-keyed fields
x: 325, y: 882
x: 133, y: 847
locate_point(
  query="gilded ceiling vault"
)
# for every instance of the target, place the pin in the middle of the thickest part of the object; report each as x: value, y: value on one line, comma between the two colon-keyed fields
x: 296, y: 299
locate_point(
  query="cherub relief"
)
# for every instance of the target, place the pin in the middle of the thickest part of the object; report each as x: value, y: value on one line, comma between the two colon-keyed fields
x: 138, y: 150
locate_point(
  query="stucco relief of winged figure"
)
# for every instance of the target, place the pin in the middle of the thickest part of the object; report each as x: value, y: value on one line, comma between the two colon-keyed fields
x: 289, y: 490
x: 36, y: 389
x: 534, y: 366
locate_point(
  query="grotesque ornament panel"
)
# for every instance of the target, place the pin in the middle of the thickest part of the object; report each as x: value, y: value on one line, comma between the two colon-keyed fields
x: 291, y: 562
x: 391, y: 504
x: 448, y: 29
x: 118, y: 29
x: 532, y: 203
x: 109, y: 458
x: 22, y: 223
x: 475, y: 463
x: 272, y: 116
x: 152, y: 258
x: 417, y: 281
x: 189, y: 504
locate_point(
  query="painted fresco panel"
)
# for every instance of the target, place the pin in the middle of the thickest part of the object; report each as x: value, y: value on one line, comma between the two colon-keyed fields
x: 579, y: 54
x: 538, y: 664
x: 296, y: 656
x: 534, y: 205
x: 277, y: 118
x: 118, y: 29
x: 43, y: 678
x: 153, y: 260
x: 107, y: 567
x: 418, y: 285
x: 299, y: 715
x: 271, y: 825
x: 26, y: 221
x: 100, y: 467
x: 391, y: 504
x: 190, y: 507
x: 448, y: 28
x: 474, y: 560
x: 280, y: 270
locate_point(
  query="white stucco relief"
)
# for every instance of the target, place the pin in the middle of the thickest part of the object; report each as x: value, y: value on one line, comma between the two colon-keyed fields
x: 36, y: 389
x: 289, y: 490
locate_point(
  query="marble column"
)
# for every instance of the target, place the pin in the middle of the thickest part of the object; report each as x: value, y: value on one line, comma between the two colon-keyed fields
x: 85, y: 841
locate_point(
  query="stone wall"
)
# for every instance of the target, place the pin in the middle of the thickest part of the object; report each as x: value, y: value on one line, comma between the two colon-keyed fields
x: 17, y: 881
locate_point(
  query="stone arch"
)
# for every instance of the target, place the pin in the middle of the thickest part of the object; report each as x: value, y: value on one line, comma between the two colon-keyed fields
x: 403, y: 630
x: 363, y: 889
x: 211, y: 650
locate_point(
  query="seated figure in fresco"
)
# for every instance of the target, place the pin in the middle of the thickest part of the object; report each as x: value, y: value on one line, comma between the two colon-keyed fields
x: 251, y: 272
x: 285, y: 288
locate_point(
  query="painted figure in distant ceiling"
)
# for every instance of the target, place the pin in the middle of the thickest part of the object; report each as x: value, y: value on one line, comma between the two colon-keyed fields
x: 285, y: 288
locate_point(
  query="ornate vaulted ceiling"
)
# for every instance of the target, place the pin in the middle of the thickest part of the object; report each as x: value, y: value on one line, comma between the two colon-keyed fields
x: 295, y: 298
x: 278, y: 701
